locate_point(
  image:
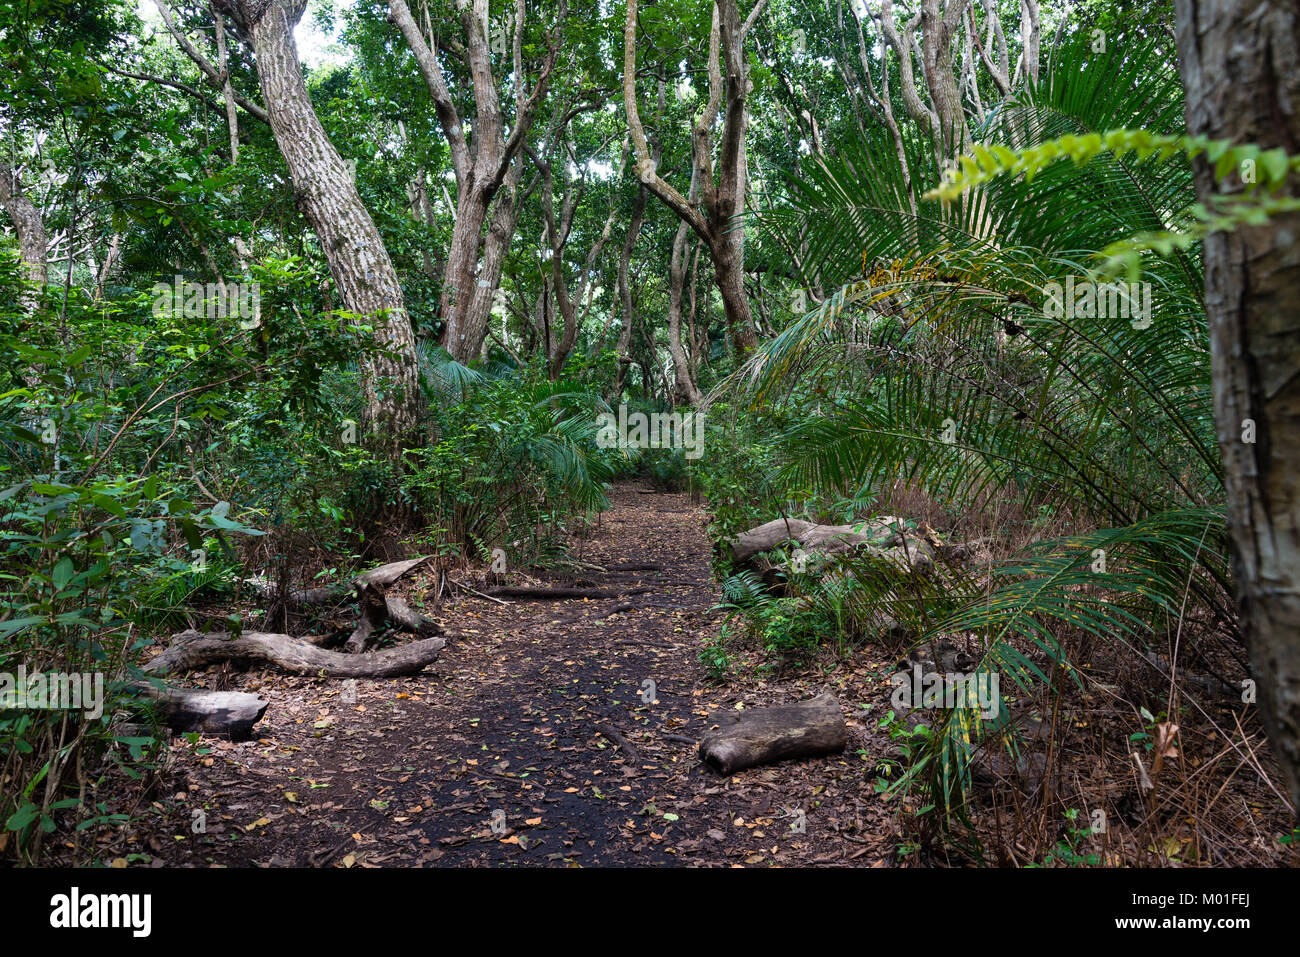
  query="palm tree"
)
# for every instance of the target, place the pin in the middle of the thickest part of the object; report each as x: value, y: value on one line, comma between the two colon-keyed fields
x: 942, y: 361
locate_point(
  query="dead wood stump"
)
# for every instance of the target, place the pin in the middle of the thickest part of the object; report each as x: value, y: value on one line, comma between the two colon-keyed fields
x: 744, y: 739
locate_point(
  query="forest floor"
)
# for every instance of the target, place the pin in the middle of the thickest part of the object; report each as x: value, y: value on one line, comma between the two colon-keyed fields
x: 495, y: 755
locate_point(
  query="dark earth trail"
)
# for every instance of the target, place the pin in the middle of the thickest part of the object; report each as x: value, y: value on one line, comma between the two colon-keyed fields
x: 505, y: 751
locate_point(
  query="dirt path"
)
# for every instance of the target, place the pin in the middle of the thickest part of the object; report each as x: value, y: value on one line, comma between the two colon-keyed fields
x: 497, y: 755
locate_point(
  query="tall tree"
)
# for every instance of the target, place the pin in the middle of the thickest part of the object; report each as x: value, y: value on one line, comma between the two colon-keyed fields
x: 722, y: 199
x: 483, y: 163
x: 328, y: 197
x: 1240, y: 63
x: 573, y: 305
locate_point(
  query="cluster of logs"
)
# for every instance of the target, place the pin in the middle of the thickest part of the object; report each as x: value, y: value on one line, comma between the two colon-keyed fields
x: 233, y: 713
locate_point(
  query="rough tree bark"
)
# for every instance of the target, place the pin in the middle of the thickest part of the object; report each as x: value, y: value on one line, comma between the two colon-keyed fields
x: 190, y: 649
x: 1240, y: 63
x: 358, y: 259
x: 228, y: 713
x: 481, y: 167
x: 939, y: 20
x: 32, y: 240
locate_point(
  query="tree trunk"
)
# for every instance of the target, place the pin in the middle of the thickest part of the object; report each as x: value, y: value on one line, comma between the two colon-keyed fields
x: 31, y: 236
x: 721, y: 201
x: 735, y: 304
x: 939, y: 19
x: 357, y: 257
x: 459, y: 279
x: 625, y: 289
x: 1240, y: 63
x: 482, y: 167
x: 685, y: 391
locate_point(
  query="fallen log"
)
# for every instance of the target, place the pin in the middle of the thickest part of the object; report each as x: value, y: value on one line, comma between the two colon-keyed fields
x: 230, y: 714
x: 374, y: 612
x: 885, y: 537
x: 378, y: 610
x: 826, y: 538
x: 300, y: 596
x: 190, y: 649
x: 405, y: 618
x: 744, y: 739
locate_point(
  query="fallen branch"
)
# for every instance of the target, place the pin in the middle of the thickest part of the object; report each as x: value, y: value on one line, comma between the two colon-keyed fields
x: 378, y: 607
x: 405, y: 618
x: 474, y: 591
x: 623, y: 743
x: 190, y: 650
x: 387, y: 574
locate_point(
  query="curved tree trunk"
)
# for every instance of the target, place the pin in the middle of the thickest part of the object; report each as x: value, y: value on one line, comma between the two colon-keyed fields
x: 1240, y: 62
x: 721, y: 199
x: 358, y: 259
x: 685, y: 392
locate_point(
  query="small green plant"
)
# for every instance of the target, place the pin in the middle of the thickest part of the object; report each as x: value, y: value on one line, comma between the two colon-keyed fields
x: 715, y: 657
x: 908, y: 740
x: 1146, y: 737
x: 1065, y: 852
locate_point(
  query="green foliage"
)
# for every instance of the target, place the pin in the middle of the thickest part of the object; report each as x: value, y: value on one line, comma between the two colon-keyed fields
x: 517, y: 456
x: 936, y: 365
x: 1264, y: 173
